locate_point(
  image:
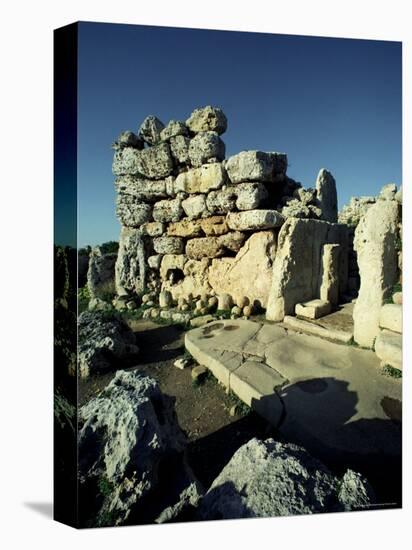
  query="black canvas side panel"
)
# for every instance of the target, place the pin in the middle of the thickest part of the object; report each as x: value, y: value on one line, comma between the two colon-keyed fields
x: 65, y: 275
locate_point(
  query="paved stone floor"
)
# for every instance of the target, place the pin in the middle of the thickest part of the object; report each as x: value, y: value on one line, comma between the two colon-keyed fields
x: 331, y: 398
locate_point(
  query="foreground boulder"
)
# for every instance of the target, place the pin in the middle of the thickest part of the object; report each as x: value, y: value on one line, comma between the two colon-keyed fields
x: 267, y: 478
x: 130, y: 448
x: 103, y: 340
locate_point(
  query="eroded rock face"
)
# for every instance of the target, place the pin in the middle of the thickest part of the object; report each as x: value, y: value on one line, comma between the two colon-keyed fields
x: 201, y: 180
x: 195, y: 207
x: 185, y: 228
x: 222, y: 201
x: 250, y: 195
x: 130, y: 269
x: 103, y: 340
x: 127, y: 435
x: 168, y: 210
x: 207, y: 119
x: 100, y: 274
x: 375, y: 244
x: 326, y: 196
x: 195, y: 280
x: 154, y: 162
x: 128, y: 139
x: 179, y: 147
x: 206, y: 147
x: 267, y: 478
x: 168, y: 245
x: 150, y: 130
x: 213, y: 247
x: 249, y: 273
x: 256, y: 166
x: 254, y: 220
x: 132, y: 213
x: 141, y: 189
x: 174, y: 128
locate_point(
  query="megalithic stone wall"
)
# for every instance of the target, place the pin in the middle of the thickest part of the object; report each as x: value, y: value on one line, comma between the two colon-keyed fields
x: 196, y: 224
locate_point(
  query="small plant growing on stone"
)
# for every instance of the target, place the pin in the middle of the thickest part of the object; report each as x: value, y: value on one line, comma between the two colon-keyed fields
x: 105, y: 486
x: 391, y: 371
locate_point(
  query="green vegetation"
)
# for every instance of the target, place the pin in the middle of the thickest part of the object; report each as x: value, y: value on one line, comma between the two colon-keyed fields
x: 224, y: 313
x: 391, y: 371
x: 105, y: 487
x: 83, y: 298
x: 110, y: 247
x: 352, y: 343
x: 398, y: 244
x: 241, y: 407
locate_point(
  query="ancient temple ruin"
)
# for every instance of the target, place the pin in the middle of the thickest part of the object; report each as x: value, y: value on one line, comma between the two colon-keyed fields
x: 236, y: 232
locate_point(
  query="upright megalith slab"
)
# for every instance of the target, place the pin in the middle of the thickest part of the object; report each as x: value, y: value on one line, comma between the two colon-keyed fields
x: 100, y: 274
x: 329, y: 284
x: 375, y: 243
x: 130, y: 269
x: 327, y: 197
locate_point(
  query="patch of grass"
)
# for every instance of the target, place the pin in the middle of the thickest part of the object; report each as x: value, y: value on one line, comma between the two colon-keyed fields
x: 224, y: 313
x: 83, y: 298
x: 387, y: 370
x: 242, y: 408
x: 105, y: 487
x: 352, y: 343
x: 398, y: 244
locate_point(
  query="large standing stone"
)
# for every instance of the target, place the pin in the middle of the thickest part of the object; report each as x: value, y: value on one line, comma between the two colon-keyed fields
x: 150, y: 130
x: 213, y: 247
x: 206, y: 147
x: 256, y: 166
x: 100, y: 275
x: 254, y: 220
x: 222, y: 201
x: 195, y: 207
x: 268, y: 478
x: 131, y: 212
x: 250, y: 195
x: 141, y: 189
x: 207, y: 118
x: 375, y: 244
x: 154, y: 162
x: 168, y: 210
x: 329, y: 287
x: 168, y: 245
x: 201, y: 180
x: 327, y: 198
x: 297, y: 266
x: 249, y: 273
x: 130, y: 269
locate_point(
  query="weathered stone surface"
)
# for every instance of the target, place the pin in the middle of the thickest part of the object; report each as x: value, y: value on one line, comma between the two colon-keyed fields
x: 195, y: 207
x: 249, y: 273
x: 352, y: 213
x: 391, y: 317
x: 268, y: 478
x: 153, y: 229
x: 179, y: 147
x: 185, y: 228
x: 388, y: 192
x: 102, y: 342
x: 172, y: 129
x: 168, y: 210
x: 100, y: 274
x: 253, y: 220
x: 130, y: 269
x: 128, y: 139
x: 314, y: 309
x: 131, y: 212
x: 141, y: 189
x: 297, y: 266
x: 207, y: 119
x: 165, y: 299
x: 155, y: 162
x: 171, y: 264
x: 250, y: 195
x: 206, y: 147
x: 213, y: 247
x: 126, y: 434
x: 375, y: 244
x: 222, y: 201
x: 225, y: 301
x: 329, y: 287
x: 255, y: 166
x: 154, y: 262
x: 397, y: 298
x: 297, y: 209
x: 214, y: 226
x: 168, y: 245
x: 150, y: 130
x: 306, y: 196
x: 388, y: 347
x: 201, y: 180
x: 326, y: 195
x: 195, y: 278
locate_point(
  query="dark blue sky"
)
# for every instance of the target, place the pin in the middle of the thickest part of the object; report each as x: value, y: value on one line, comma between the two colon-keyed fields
x: 331, y: 103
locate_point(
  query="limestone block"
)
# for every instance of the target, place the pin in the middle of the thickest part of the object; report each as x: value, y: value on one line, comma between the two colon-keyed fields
x: 375, y: 244
x: 155, y: 261
x: 254, y: 220
x: 214, y: 226
x: 155, y: 162
x: 130, y: 269
x: 153, y: 229
x: 207, y: 119
x: 214, y: 247
x: 250, y: 195
x: 206, y: 147
x: 168, y: 210
x: 179, y: 147
x: 128, y: 139
x: 132, y: 213
x: 222, y: 201
x: 255, y: 166
x: 172, y: 129
x: 171, y: 263
x: 194, y: 282
x: 313, y: 309
x: 329, y: 287
x: 327, y: 198
x: 248, y: 274
x: 391, y: 317
x: 168, y: 245
x: 306, y: 196
x: 150, y: 130
x: 165, y: 299
x: 201, y: 180
x: 195, y: 206
x: 141, y: 189
x: 388, y: 347
x: 185, y: 228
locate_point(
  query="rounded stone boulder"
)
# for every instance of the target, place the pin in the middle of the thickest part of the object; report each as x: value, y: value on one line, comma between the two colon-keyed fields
x: 224, y: 301
x: 206, y: 147
x: 207, y: 118
x: 150, y: 130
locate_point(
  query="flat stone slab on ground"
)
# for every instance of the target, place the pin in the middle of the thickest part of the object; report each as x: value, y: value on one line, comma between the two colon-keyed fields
x: 313, y: 309
x: 388, y: 347
x: 309, y: 327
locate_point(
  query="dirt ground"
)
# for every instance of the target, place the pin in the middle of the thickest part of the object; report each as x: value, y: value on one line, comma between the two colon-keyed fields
x: 202, y: 411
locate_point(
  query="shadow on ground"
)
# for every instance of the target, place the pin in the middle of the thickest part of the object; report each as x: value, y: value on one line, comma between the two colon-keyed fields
x: 45, y: 509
